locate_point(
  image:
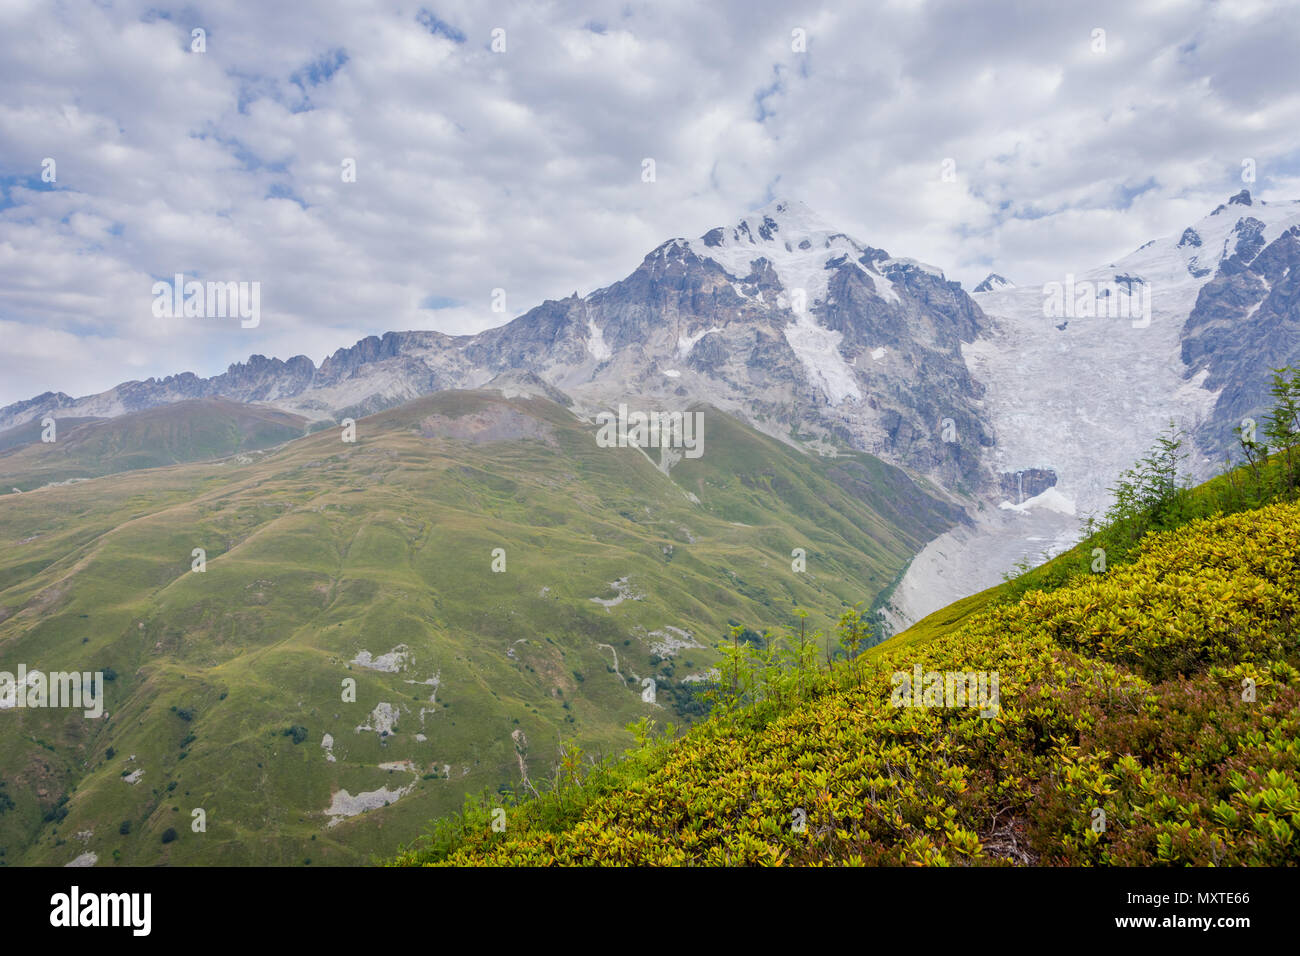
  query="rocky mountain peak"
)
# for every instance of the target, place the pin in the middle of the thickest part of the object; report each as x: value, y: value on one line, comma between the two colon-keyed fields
x: 993, y: 283
x: 1240, y: 199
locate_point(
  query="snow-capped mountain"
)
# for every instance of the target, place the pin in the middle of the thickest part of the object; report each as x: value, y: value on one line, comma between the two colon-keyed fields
x: 1081, y: 372
x: 1023, y: 401
x: 993, y: 283
x: 779, y: 318
x: 1092, y: 387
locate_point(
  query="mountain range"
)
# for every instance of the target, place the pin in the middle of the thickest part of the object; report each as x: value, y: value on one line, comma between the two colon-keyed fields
x: 1021, y: 416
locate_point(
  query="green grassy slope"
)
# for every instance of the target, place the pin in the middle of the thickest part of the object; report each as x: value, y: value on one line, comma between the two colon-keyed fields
x: 193, y: 430
x: 30, y: 432
x: 324, y: 556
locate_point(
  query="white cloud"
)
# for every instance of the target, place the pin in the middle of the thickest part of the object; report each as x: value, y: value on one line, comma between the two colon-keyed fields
x: 522, y: 170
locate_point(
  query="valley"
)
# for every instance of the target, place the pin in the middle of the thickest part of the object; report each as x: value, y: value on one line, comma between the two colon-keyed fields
x: 350, y: 663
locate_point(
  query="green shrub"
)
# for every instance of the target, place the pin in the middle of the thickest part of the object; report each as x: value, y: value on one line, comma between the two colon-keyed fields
x: 298, y: 733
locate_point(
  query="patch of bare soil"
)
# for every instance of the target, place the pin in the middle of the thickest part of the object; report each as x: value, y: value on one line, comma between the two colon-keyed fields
x: 496, y: 423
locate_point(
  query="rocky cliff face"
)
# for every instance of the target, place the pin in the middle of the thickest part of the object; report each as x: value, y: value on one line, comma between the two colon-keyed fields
x: 1019, y: 486
x: 1246, y: 321
x: 801, y: 329
x: 780, y: 318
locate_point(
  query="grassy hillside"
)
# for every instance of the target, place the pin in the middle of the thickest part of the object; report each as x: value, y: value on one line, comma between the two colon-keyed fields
x: 194, y: 430
x: 328, y: 562
x: 1147, y: 715
x: 30, y: 432
x: 1147, y: 710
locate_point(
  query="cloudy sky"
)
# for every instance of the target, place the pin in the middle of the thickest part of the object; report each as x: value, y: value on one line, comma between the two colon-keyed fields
x: 521, y: 168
